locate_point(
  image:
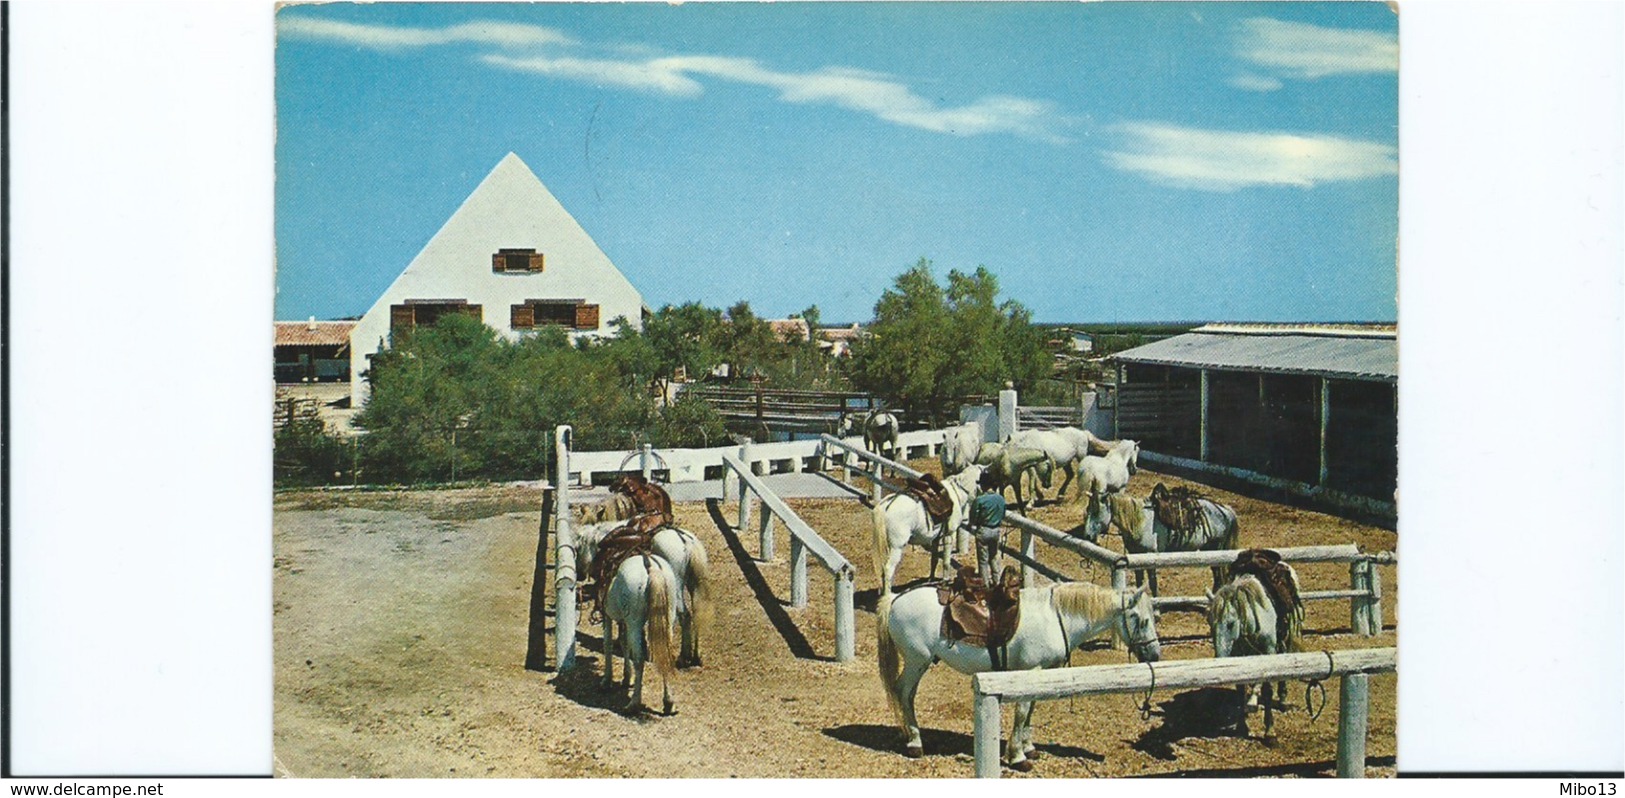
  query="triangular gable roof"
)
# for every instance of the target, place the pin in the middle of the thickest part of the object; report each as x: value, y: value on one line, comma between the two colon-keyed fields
x: 511, y: 208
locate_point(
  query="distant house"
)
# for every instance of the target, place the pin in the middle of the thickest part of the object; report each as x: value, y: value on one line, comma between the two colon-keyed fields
x: 1311, y: 406
x: 511, y: 256
x: 837, y: 341
x: 789, y: 330
x: 312, y: 351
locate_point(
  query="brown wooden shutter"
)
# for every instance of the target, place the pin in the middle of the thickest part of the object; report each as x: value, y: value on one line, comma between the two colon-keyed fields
x: 536, y: 262
x: 523, y: 317
x: 586, y: 317
x: 476, y: 311
x: 400, y: 317
x: 498, y: 262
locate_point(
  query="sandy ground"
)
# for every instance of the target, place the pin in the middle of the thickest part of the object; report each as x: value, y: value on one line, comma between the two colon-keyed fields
x: 401, y: 627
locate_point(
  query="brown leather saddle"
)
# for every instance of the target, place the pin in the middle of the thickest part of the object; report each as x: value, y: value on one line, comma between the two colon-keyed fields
x: 933, y: 495
x: 1266, y: 566
x: 634, y: 538
x: 645, y: 495
x: 976, y: 614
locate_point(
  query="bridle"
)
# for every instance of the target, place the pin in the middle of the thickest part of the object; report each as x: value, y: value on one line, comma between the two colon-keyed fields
x: 1135, y: 647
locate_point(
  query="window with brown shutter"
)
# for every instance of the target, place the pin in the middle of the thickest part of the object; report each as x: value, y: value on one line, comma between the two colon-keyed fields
x: 425, y: 312
x: 522, y: 317
x: 400, y: 317
x: 516, y: 261
x: 586, y: 317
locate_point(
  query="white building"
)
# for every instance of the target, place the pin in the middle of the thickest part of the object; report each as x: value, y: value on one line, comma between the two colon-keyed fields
x: 511, y: 255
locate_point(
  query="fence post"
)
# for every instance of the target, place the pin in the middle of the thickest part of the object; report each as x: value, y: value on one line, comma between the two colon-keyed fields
x: 986, y: 731
x: 766, y: 533
x: 1373, y: 609
x: 1007, y: 414
x: 1119, y: 577
x: 1028, y: 550
x: 564, y: 575
x: 744, y: 490
x: 1352, y: 706
x: 845, y: 648
x: 1359, y: 607
x: 798, y: 572
x: 874, y: 482
x: 647, y: 465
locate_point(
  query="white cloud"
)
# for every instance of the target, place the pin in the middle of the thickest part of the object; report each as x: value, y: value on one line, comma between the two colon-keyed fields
x: 1250, y: 82
x: 645, y: 75
x: 878, y: 95
x: 1306, y: 52
x: 1216, y: 160
x: 388, y: 37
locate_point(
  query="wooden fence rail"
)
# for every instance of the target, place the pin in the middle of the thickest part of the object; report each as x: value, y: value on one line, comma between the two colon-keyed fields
x: 803, y: 540
x: 1352, y: 667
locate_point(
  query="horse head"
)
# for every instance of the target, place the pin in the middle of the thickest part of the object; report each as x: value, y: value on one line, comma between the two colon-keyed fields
x: 1137, y: 625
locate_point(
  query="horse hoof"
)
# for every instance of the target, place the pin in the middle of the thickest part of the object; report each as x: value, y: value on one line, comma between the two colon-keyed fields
x: 1269, y: 741
x: 1024, y: 766
x: 914, y: 752
x: 670, y: 709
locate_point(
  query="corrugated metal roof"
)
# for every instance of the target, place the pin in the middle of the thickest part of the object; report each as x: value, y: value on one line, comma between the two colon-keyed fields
x: 313, y: 333
x: 1323, y: 354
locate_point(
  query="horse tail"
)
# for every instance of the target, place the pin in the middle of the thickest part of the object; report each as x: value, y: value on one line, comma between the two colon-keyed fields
x: 659, y: 618
x: 888, y: 659
x: 699, y: 586
x: 882, y: 543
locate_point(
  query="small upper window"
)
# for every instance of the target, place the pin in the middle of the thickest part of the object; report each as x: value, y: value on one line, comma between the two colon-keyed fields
x: 516, y: 261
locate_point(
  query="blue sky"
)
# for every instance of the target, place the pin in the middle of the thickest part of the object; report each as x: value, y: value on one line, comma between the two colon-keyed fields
x: 1108, y: 161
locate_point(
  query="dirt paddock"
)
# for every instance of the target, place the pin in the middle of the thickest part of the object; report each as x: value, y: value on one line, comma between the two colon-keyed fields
x: 400, y: 636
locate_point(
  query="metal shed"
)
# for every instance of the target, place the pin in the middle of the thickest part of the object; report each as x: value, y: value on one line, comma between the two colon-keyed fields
x: 1312, y: 407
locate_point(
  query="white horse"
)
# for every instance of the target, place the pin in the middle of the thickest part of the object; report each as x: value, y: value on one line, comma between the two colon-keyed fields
x: 682, y: 550
x: 1109, y: 473
x: 880, y: 431
x: 1066, y: 445
x: 959, y: 447
x: 641, y: 598
x: 1135, y: 520
x: 900, y: 519
x: 1244, y: 622
x: 614, y: 507
x: 1009, y: 464
x: 1200, y: 524
x: 1055, y: 620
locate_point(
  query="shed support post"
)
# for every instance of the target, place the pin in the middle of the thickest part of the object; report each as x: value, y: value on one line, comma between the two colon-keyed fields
x: 1352, y: 707
x: 1203, y: 455
x: 798, y: 573
x: 744, y: 490
x: 845, y: 632
x: 1117, y: 406
x: 1325, y: 421
x: 564, y: 574
x: 986, y: 730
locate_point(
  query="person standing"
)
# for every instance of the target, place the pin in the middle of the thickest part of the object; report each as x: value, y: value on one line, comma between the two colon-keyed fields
x: 986, y: 522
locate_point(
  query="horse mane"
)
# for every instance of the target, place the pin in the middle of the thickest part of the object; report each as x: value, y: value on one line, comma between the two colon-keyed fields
x: 1128, y: 513
x: 1237, y: 593
x: 1084, y: 598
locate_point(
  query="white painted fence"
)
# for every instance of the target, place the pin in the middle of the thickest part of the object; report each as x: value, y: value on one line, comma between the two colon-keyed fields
x: 1352, y: 667
x: 689, y: 465
x: 802, y: 541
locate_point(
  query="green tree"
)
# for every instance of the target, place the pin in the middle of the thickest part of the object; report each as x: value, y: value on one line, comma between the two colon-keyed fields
x: 931, y: 345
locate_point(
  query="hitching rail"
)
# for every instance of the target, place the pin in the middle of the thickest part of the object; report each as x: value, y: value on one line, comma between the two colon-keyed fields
x: 802, y: 541
x: 1352, y: 667
x: 1365, y: 581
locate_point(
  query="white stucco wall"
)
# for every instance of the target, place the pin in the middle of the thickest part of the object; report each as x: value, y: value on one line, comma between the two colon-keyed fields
x: 510, y: 209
